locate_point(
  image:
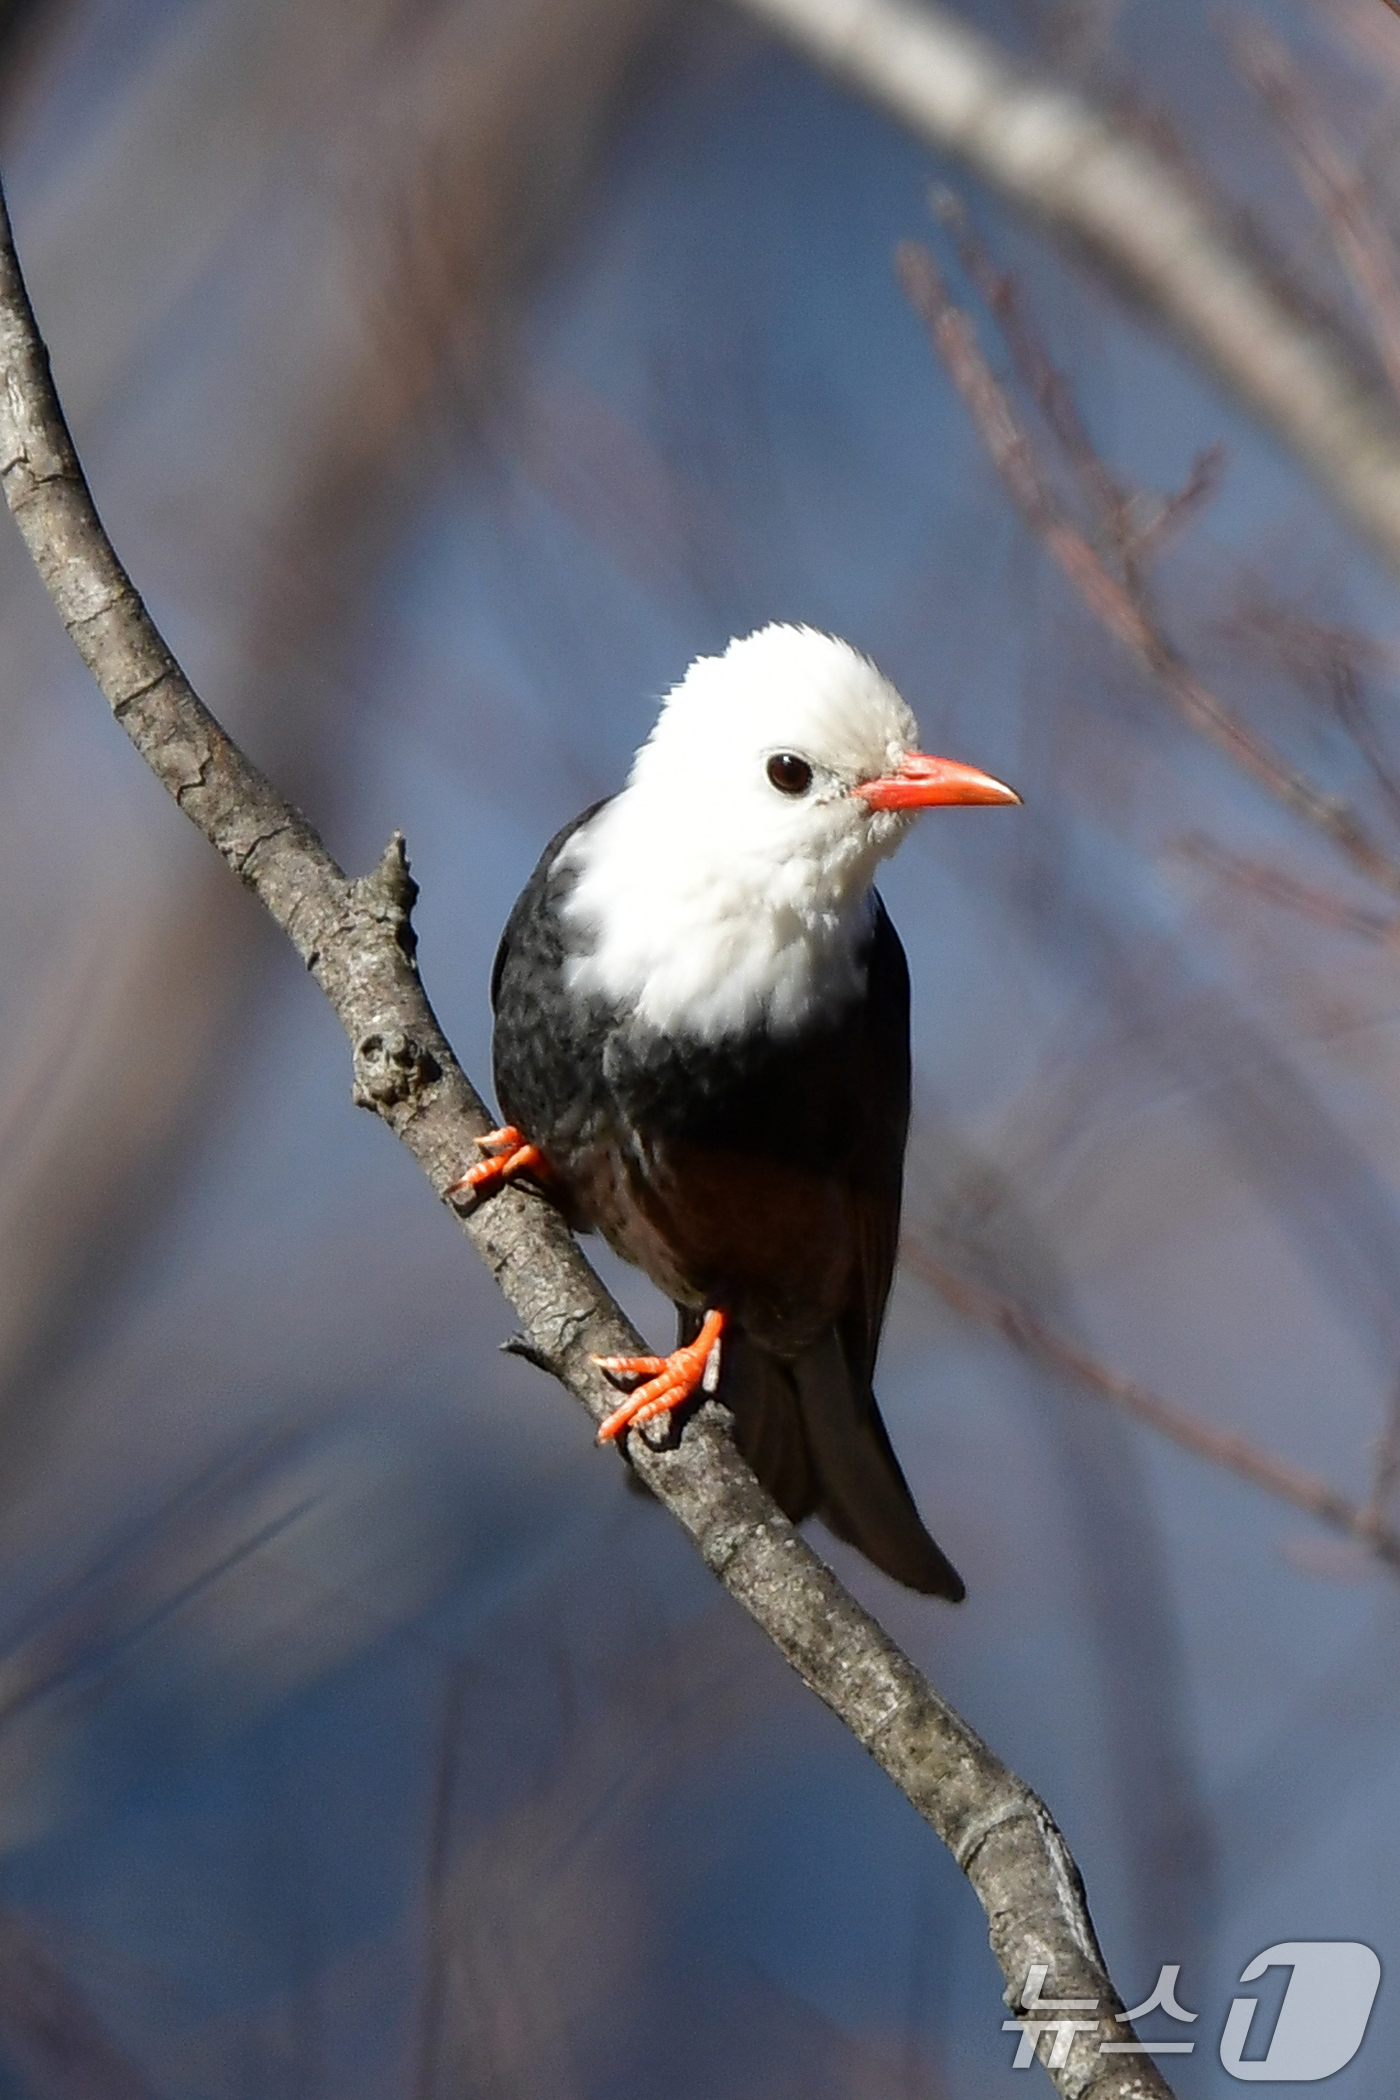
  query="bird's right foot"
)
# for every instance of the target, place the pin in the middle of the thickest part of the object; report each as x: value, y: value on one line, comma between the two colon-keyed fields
x: 513, y: 1154
x: 670, y: 1380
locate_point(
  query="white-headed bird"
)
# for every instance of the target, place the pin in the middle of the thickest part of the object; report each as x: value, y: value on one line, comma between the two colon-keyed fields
x: 702, y: 1052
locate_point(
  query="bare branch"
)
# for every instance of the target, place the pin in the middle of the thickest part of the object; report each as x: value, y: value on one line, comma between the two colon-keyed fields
x: 1045, y: 384
x: 1115, y: 194
x: 1133, y: 524
x: 1385, y: 1467
x: 1337, y: 191
x: 1276, y: 886
x: 1111, y: 602
x: 1172, y: 512
x: 356, y: 938
x: 1328, y: 663
x: 1235, y: 1454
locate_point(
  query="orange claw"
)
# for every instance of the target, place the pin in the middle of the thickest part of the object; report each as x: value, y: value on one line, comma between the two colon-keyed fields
x: 670, y: 1380
x: 514, y: 1154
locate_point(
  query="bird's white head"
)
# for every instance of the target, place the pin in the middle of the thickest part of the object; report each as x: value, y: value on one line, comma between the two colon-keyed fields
x: 728, y: 885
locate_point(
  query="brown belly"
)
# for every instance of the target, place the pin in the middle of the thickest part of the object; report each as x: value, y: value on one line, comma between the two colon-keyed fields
x: 770, y: 1243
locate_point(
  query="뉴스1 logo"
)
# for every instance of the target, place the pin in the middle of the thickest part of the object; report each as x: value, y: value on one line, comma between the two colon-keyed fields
x: 1323, y: 2018
x: 1032, y: 2026
x: 1320, y: 2026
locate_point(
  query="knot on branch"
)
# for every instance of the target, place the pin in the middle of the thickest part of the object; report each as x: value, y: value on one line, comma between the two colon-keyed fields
x: 391, y: 1067
x: 390, y: 893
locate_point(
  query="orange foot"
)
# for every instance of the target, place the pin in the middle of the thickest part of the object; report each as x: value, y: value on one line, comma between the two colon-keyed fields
x: 670, y: 1380
x: 514, y: 1154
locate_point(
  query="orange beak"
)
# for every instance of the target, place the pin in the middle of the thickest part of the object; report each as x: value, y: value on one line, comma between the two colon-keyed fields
x: 920, y: 782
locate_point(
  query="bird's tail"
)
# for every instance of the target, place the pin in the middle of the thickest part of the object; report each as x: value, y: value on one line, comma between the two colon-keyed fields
x: 820, y: 1448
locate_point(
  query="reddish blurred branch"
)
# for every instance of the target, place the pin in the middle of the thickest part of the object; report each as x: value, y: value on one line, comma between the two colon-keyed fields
x: 1123, y: 607
x: 1089, y: 175
x: 1365, y: 1523
x: 356, y: 938
x: 1328, y: 663
x: 1325, y: 661
x: 1340, y: 197
x: 1385, y: 1465
x: 51, y: 2036
x: 1259, y: 878
x: 1132, y: 525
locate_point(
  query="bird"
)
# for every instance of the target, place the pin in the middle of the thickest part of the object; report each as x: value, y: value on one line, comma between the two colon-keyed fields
x: 701, y: 1052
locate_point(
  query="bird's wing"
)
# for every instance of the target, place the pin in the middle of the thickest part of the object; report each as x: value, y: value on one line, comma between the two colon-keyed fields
x: 529, y: 911
x: 809, y: 1425
x: 879, y: 1128
x: 864, y: 1497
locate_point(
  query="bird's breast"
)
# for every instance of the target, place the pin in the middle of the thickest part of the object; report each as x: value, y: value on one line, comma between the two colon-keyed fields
x: 724, y: 1161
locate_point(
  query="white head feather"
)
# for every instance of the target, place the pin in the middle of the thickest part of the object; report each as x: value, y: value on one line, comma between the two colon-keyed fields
x: 707, y: 900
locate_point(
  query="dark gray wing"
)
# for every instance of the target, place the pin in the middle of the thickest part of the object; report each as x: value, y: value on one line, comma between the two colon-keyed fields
x: 546, y: 1057
x: 865, y: 1498
x: 881, y: 1124
x: 532, y: 916
x: 810, y: 1427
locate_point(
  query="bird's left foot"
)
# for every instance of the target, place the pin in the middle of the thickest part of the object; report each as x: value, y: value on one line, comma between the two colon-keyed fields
x: 670, y: 1380
x: 512, y: 1154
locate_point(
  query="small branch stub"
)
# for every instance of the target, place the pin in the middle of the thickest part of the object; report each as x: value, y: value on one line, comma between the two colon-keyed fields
x: 391, y: 1067
x: 389, y: 895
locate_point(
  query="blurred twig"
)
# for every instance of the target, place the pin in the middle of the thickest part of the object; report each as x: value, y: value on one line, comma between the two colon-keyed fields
x: 1361, y: 1521
x: 1116, y: 194
x: 1122, y: 610
x: 1276, y: 886
x: 49, y: 2034
x: 1133, y: 525
x: 1339, y: 195
x: 1385, y: 1467
x: 1327, y: 662
x: 1042, y: 380
x: 356, y: 938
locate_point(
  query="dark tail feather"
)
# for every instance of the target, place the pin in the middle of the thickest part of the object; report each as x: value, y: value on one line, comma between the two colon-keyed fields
x: 865, y: 1498
x: 761, y: 1394
x: 820, y: 1451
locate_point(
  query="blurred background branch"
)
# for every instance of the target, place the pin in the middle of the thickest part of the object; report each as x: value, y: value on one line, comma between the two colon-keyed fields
x: 1365, y: 1522
x: 1100, y: 184
x: 1124, y: 604
x: 1361, y: 239
x: 1123, y: 607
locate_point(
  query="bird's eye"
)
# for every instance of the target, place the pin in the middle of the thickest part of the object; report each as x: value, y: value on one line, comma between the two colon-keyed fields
x: 789, y: 774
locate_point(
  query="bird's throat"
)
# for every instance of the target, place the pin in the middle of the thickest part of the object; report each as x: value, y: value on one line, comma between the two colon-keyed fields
x: 746, y: 947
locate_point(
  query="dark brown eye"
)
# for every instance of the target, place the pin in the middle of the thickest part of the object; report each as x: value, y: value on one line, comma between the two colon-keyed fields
x: 789, y: 774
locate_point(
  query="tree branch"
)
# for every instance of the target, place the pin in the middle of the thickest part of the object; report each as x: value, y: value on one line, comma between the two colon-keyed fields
x: 1277, y: 886
x: 1366, y: 1522
x: 1091, y: 178
x: 355, y: 937
x: 1127, y: 616
x: 1131, y: 525
x: 1340, y: 197
x: 1328, y: 664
